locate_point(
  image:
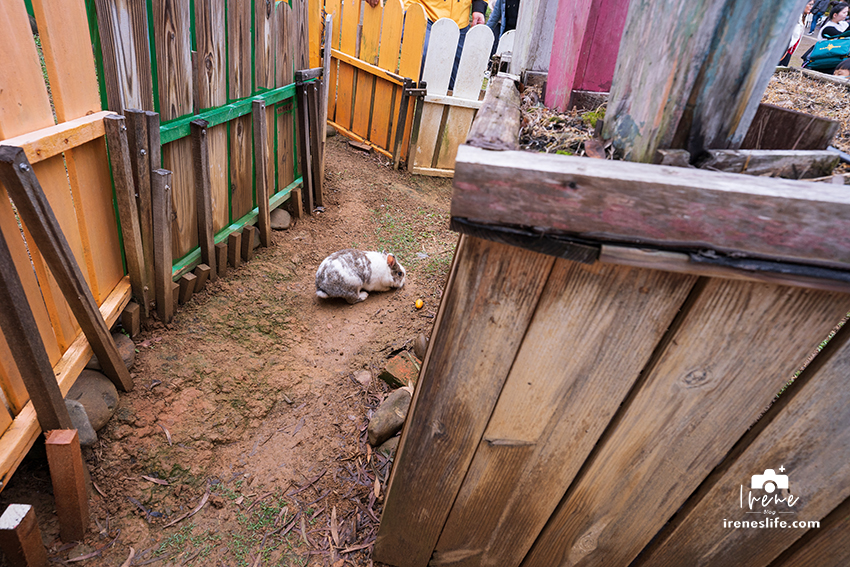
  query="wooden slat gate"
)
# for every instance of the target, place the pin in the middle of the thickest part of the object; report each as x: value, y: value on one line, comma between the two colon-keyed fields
x: 368, y: 78
x: 69, y: 157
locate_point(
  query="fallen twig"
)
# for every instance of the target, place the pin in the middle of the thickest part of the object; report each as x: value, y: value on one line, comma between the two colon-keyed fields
x: 193, y: 512
x: 129, y: 560
x: 257, y: 501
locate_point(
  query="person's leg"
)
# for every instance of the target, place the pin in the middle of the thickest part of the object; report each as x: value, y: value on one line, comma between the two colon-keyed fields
x: 815, y: 16
x: 457, y: 56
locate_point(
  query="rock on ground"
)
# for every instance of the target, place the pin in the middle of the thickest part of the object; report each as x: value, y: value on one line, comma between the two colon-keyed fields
x: 280, y: 219
x: 98, y: 396
x: 80, y: 421
x: 420, y: 346
x: 389, y: 447
x: 401, y: 370
x: 126, y: 348
x: 389, y: 417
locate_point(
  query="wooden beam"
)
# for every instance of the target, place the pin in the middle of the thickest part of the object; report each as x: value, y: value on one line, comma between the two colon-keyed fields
x: 261, y: 157
x: 349, y: 134
x: 660, y: 206
x: 161, y: 206
x: 35, y: 211
x: 234, y: 249
x: 131, y: 319
x: 138, y: 142
x: 125, y: 194
x: 316, y: 147
x: 202, y: 272
x: 53, y: 140
x: 221, y: 258
x: 371, y: 69
x: 27, y: 348
x: 304, y: 159
x: 496, y: 127
x: 249, y: 237
x: 69, y: 483
x: 789, y: 164
x: 777, y: 128
x: 20, y: 538
x: 203, y: 193
x: 187, y: 287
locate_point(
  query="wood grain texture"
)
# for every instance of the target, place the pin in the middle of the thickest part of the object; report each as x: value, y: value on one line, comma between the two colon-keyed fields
x: 333, y: 8
x: 823, y: 547
x: 161, y: 205
x: 556, y: 403
x: 534, y: 36
x: 249, y: 237
x: 203, y: 273
x: 53, y: 140
x: 35, y: 209
x: 365, y: 83
x: 241, y: 157
x: 498, y: 121
x: 654, y: 204
x: 126, y: 56
x: 138, y: 141
x: 317, y: 147
x: 810, y: 437
x: 301, y: 27
x: 122, y: 175
x: 285, y: 119
x: 203, y: 193
x: 491, y: 295
x: 265, y: 71
x: 777, y: 128
x: 571, y: 33
x: 211, y: 44
x: 28, y: 354
x: 68, y: 476
x: 386, y: 107
x: 710, y: 378
x: 314, y: 22
x: 305, y: 164
x: 788, y: 164
x: 261, y: 156
x: 221, y: 257
x: 241, y: 167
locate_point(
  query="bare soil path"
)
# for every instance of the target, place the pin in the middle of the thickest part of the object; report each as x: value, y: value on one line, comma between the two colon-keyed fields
x: 247, y: 402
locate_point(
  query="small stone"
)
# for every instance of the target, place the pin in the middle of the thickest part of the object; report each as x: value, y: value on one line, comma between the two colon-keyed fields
x: 420, y: 346
x: 281, y: 219
x: 364, y: 377
x: 98, y: 396
x: 389, y: 447
x: 331, y: 131
x: 81, y: 423
x: 125, y: 415
x: 389, y: 417
x: 126, y: 348
x: 401, y: 370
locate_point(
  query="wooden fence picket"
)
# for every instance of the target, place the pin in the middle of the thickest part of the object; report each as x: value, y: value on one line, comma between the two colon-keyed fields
x: 333, y: 8
x: 241, y: 162
x: 365, y: 82
x: 285, y: 111
x: 387, y: 97
x: 345, y: 76
x: 506, y: 42
x: 410, y: 62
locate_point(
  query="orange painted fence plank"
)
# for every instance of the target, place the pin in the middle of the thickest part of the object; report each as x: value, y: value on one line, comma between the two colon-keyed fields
x: 410, y: 62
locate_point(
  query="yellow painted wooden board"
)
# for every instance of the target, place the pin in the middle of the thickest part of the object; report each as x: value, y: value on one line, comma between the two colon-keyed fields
x: 556, y: 403
x: 211, y: 45
x: 5, y: 420
x: 732, y: 349
x: 410, y: 62
x: 315, y: 26
x: 10, y: 379
x: 333, y: 7
x: 370, y: 38
x: 385, y: 108
x: 345, y: 78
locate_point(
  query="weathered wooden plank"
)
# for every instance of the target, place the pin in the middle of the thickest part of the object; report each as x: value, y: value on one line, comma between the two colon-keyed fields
x: 497, y: 124
x: 221, y: 257
x: 326, y: 73
x: 556, y: 403
x: 314, y: 21
x: 261, y: 155
x: 11, y: 381
x: 35, y: 210
x: 187, y: 287
x: 777, y: 128
x: 28, y: 354
x: 365, y: 82
x: 69, y: 483
x: 304, y: 158
x: 317, y: 159
x: 653, y: 204
x: 265, y: 36
x: 574, y: 23
x: 203, y: 273
x: 20, y: 538
x: 301, y: 27
x: 824, y: 547
x: 241, y: 157
x: 345, y: 77
x: 535, y: 36
x: 718, y: 367
x: 789, y: 164
x: 807, y: 440
x: 161, y: 205
x: 491, y: 295
x: 175, y: 295
x: 212, y: 92
x: 234, y: 249
x: 126, y: 56
x: 203, y: 193
x: 285, y: 122
x: 122, y: 175
x: 138, y: 141
x: 333, y: 8
x: 249, y: 237
x: 131, y: 319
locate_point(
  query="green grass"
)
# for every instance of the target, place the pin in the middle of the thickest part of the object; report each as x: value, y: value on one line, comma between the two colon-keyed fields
x: 591, y: 118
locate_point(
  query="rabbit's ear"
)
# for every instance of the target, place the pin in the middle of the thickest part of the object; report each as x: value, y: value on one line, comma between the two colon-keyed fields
x: 390, y: 260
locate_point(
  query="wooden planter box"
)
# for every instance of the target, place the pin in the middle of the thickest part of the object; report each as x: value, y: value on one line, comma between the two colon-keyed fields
x: 596, y: 383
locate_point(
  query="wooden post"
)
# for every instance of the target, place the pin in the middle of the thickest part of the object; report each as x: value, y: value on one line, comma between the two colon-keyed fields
x: 249, y: 236
x: 203, y: 193
x: 125, y: 194
x: 535, y: 29
x: 20, y: 538
x: 234, y: 249
x: 161, y: 200
x: 304, y: 160
x: 316, y: 145
x: 138, y: 142
x: 175, y: 295
x: 187, y: 287
x: 69, y: 483
x: 202, y: 272
x: 221, y: 257
x: 154, y: 145
x: 261, y: 158
x: 131, y: 319
x: 22, y: 335
x: 35, y: 211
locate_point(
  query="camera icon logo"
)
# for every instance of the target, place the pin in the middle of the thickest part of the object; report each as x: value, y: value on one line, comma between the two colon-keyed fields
x: 770, y: 481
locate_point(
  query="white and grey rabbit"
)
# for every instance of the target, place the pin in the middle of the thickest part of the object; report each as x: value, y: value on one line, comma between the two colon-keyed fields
x: 351, y: 274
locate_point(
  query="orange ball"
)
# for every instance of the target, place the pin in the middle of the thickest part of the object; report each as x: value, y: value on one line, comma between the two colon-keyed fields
x: 419, y: 304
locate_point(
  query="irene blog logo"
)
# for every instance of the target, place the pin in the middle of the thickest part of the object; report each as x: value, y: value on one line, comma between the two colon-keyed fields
x: 772, y: 494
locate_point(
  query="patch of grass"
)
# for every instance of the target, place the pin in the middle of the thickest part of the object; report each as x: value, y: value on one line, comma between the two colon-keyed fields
x: 590, y: 118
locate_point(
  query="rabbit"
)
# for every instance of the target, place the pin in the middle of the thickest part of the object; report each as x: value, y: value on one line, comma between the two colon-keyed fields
x: 351, y: 274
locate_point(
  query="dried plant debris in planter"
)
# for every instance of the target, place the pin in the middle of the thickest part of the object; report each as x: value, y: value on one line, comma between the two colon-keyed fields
x: 548, y: 130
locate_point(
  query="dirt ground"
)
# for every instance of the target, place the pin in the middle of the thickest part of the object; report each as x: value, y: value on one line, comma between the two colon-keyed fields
x: 247, y: 403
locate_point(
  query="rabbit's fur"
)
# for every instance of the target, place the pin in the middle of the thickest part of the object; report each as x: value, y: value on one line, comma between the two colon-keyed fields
x: 351, y: 274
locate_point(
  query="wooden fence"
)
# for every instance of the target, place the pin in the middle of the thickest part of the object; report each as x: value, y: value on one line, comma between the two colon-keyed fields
x: 68, y: 154
x: 371, y: 71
